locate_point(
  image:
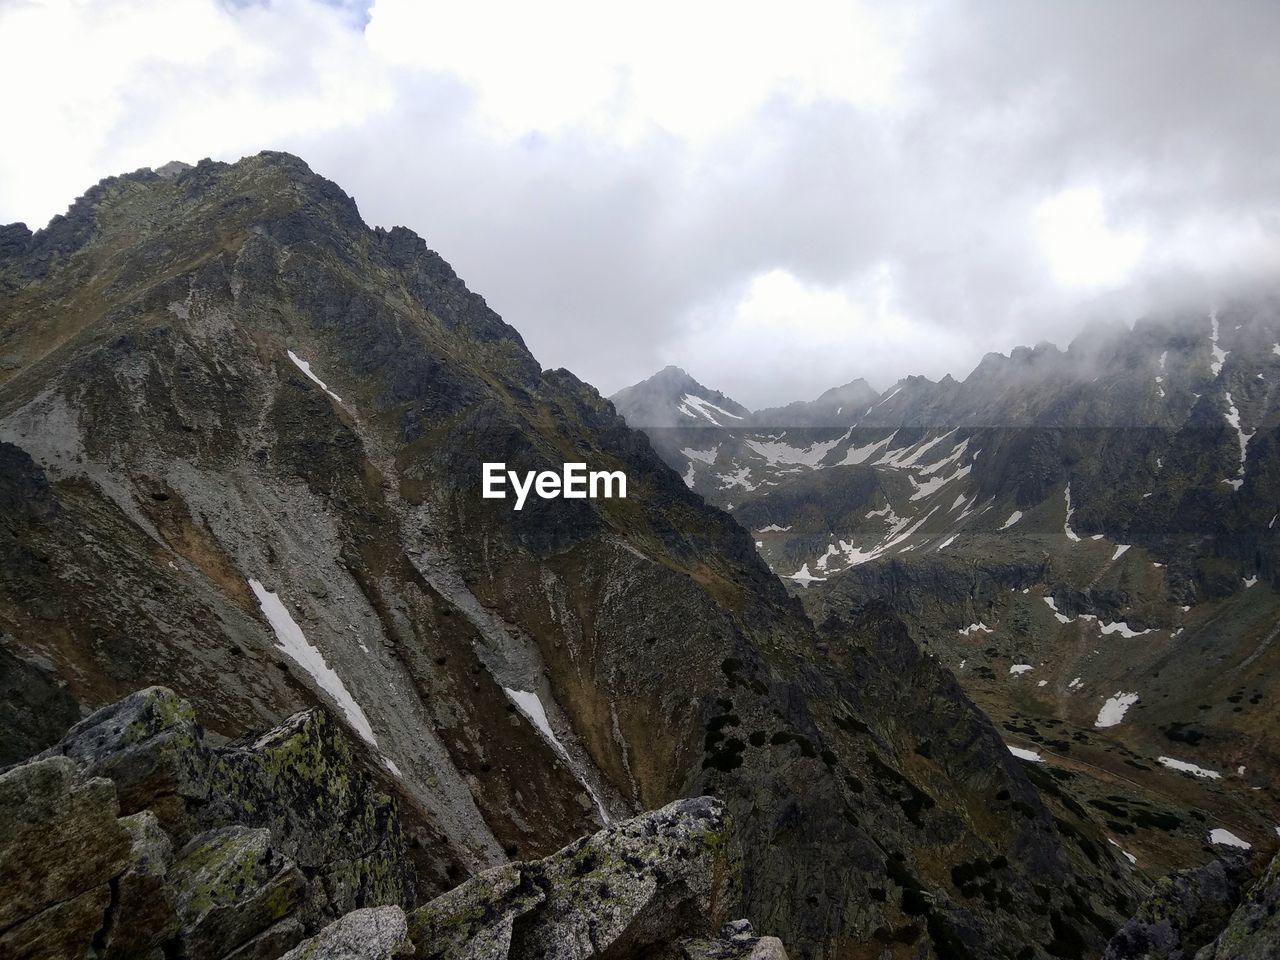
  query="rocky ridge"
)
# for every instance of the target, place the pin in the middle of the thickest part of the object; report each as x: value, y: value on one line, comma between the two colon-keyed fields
x: 136, y: 837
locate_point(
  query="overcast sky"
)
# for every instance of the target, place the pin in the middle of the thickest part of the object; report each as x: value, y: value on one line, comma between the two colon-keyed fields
x: 777, y: 197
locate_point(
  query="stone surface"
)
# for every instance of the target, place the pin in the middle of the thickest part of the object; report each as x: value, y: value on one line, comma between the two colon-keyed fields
x: 631, y: 888
x: 151, y: 748
x: 232, y: 886
x: 1185, y: 911
x: 60, y: 844
x: 374, y: 933
x: 144, y: 915
x: 1253, y: 932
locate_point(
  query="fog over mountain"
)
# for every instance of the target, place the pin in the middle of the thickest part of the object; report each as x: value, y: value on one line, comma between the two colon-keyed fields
x: 776, y: 206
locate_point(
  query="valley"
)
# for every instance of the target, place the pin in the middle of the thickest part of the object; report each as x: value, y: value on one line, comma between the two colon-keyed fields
x: 1085, y: 537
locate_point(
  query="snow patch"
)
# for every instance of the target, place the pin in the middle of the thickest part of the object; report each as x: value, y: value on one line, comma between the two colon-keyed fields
x: 1066, y: 525
x: 1020, y: 668
x: 1219, y: 355
x: 804, y: 576
x: 932, y: 486
x: 1114, y: 709
x: 1226, y: 838
x: 1233, y: 418
x: 306, y: 369
x: 1123, y: 629
x: 1024, y: 754
x: 1013, y: 518
x: 856, y: 455
x: 529, y: 704
x: 1128, y: 856
x: 974, y: 628
x: 291, y: 640
x: 775, y: 451
x: 703, y: 409
x: 1120, y: 551
x: 704, y: 456
x: 1184, y: 767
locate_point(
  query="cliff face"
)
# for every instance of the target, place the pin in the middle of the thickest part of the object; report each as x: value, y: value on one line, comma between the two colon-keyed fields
x: 241, y: 437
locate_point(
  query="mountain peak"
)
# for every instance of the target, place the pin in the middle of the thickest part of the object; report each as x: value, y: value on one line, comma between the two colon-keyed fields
x: 672, y: 398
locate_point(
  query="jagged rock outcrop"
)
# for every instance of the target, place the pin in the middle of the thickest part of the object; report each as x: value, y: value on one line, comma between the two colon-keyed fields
x: 1219, y: 911
x: 78, y: 879
x: 1253, y: 932
x: 61, y: 846
x: 134, y: 834
x: 629, y: 890
x: 1184, y: 911
x: 374, y: 933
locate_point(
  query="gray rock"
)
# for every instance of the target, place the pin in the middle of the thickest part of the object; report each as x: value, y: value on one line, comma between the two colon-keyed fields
x: 232, y: 888
x: 151, y: 748
x: 374, y: 933
x: 1253, y: 932
x: 145, y: 914
x: 63, y: 930
x: 633, y: 887
x: 1183, y: 913
x: 60, y: 845
x: 474, y: 921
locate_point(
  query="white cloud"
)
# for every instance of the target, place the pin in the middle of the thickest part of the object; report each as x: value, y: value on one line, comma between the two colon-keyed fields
x: 1082, y: 248
x: 689, y: 70
x: 782, y: 330
x: 780, y: 199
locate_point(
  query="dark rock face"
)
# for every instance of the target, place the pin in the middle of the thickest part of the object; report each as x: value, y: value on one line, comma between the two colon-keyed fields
x: 60, y: 847
x: 1215, y: 912
x: 1253, y: 932
x: 35, y: 707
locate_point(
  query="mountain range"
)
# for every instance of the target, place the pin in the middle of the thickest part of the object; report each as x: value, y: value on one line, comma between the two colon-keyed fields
x: 1086, y: 537
x: 241, y: 441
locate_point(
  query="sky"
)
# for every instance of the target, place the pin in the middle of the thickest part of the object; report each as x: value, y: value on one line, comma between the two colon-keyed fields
x: 777, y: 197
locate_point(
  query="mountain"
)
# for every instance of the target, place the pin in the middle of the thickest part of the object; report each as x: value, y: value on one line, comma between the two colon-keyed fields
x: 672, y: 398
x: 1086, y: 537
x: 241, y: 448
x: 835, y: 407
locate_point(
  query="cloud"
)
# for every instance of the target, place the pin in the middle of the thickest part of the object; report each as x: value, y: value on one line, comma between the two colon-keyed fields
x: 778, y: 201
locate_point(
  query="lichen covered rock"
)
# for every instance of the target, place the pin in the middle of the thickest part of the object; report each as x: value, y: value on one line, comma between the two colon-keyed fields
x: 145, y: 916
x: 1183, y: 913
x: 1253, y: 932
x: 234, y: 887
x: 627, y: 890
x: 302, y: 782
x: 374, y: 933
x: 150, y: 746
x: 60, y: 846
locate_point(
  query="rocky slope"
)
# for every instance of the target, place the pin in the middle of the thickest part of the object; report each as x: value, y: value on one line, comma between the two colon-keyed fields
x: 135, y: 837
x: 1086, y: 537
x: 241, y: 437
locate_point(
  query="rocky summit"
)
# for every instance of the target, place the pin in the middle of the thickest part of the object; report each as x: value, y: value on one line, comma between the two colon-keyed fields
x: 284, y: 683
